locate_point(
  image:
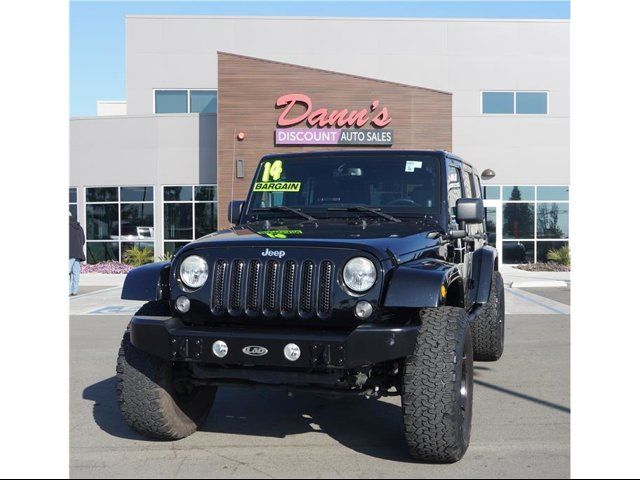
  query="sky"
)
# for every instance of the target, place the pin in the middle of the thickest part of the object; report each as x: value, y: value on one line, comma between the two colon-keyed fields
x: 97, y: 33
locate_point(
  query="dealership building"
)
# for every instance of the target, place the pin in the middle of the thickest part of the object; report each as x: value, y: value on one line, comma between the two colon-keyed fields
x: 207, y: 97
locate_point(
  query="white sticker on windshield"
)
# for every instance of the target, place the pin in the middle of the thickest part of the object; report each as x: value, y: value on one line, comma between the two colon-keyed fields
x: 411, y: 165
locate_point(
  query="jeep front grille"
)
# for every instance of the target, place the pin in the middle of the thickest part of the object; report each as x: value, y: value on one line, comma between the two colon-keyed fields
x: 272, y: 287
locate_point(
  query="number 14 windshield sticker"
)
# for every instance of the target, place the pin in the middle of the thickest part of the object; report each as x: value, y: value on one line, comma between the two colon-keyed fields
x: 270, y: 181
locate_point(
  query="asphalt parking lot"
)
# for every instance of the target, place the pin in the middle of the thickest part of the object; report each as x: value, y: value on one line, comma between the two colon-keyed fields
x: 520, y: 424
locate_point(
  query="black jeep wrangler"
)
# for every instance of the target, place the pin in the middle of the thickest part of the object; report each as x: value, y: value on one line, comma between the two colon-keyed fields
x: 353, y: 272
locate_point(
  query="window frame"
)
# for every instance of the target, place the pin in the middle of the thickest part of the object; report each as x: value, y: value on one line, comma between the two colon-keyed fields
x: 535, y: 203
x: 193, y: 203
x: 119, y: 204
x: 188, y: 112
x: 515, y: 102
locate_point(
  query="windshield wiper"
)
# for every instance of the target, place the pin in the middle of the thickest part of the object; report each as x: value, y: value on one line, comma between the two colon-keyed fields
x: 362, y: 208
x: 284, y: 208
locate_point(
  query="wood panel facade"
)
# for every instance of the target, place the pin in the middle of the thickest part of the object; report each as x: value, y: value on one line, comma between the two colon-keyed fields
x: 249, y: 87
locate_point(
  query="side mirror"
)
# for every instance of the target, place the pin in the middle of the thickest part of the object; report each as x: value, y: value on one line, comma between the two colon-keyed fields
x: 470, y: 210
x: 235, y: 211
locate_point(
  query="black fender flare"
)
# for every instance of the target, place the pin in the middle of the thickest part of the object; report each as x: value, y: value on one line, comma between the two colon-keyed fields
x: 418, y: 284
x: 149, y: 282
x: 485, y: 262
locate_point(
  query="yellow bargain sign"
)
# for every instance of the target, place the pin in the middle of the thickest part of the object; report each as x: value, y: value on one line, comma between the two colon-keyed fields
x: 272, y: 171
x: 276, y: 187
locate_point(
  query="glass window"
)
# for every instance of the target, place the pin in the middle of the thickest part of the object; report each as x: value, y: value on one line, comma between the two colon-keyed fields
x: 517, y: 220
x: 491, y: 193
x: 102, y: 222
x: 206, y: 220
x: 204, y: 101
x: 476, y: 186
x: 515, y: 193
x: 136, y: 220
x: 531, y: 102
x: 553, y: 193
x: 517, y: 252
x: 136, y: 194
x: 117, y: 214
x: 178, y: 221
x: 553, y: 220
x: 178, y: 194
x: 171, y: 101
x: 190, y: 212
x: 454, y: 191
x: 102, y: 251
x: 490, y: 215
x: 102, y: 194
x: 469, y: 187
x: 207, y: 193
x: 497, y: 102
x: 73, y: 202
x: 544, y: 247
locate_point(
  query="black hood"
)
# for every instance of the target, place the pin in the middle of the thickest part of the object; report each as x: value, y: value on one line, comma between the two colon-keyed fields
x: 380, y: 237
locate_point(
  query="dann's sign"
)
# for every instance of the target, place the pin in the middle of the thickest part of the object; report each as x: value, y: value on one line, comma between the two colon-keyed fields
x: 335, y: 127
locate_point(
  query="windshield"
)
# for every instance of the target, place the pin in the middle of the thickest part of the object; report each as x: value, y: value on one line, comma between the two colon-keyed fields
x: 401, y: 184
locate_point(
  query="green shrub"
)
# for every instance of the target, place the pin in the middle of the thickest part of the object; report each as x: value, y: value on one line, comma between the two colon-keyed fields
x: 165, y: 257
x: 137, y: 256
x: 560, y: 255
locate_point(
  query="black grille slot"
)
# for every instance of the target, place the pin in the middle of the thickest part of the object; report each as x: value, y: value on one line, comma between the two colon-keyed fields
x: 253, y: 285
x: 324, y: 292
x: 235, y: 292
x: 271, y: 286
x: 306, y: 289
x: 288, y: 286
x: 220, y: 271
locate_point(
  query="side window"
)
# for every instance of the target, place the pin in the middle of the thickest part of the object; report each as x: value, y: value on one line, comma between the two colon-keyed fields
x: 469, y: 190
x: 454, y: 190
x: 478, y: 186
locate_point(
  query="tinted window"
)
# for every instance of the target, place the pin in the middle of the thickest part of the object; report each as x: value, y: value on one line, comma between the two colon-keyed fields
x: 73, y: 195
x: 203, y: 101
x: 397, y: 183
x: 102, y: 194
x: 553, y: 220
x: 136, y: 194
x: 531, y: 102
x: 178, y: 221
x: 171, y: 101
x: 517, y: 219
x: 497, y: 102
x: 517, y: 252
x: 491, y: 193
x: 454, y: 190
x: 181, y: 194
x: 515, y: 193
x: 553, y: 193
x: 206, y: 193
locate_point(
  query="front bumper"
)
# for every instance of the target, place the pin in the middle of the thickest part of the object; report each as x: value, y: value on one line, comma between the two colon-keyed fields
x: 169, y: 339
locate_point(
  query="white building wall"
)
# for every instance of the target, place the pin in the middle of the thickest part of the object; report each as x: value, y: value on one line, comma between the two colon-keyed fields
x: 460, y: 56
x: 108, y: 108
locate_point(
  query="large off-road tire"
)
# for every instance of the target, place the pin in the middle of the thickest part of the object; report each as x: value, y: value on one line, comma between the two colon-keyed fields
x: 437, y: 387
x: 152, y: 402
x: 488, y: 328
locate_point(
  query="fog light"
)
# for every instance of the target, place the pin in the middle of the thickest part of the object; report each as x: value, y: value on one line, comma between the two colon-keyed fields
x: 220, y: 349
x: 292, y: 352
x: 363, y: 309
x: 183, y: 304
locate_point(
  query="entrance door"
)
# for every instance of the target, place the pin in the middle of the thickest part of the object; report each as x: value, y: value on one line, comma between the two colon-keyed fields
x: 493, y: 212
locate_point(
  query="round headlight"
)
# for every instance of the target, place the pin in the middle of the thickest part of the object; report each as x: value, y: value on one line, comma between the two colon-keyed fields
x: 194, y: 271
x: 359, y: 274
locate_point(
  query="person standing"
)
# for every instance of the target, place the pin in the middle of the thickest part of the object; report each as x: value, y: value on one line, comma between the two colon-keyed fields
x: 76, y: 254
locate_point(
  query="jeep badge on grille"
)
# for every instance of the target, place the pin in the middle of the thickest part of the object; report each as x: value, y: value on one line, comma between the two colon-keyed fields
x: 273, y: 253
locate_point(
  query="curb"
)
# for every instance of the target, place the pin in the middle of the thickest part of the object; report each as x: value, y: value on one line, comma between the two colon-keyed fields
x: 540, y: 284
